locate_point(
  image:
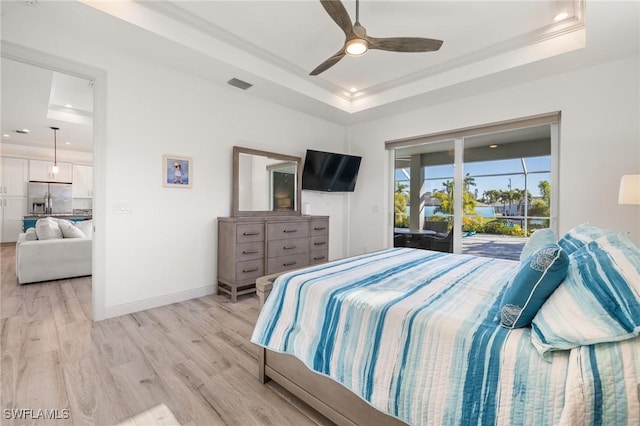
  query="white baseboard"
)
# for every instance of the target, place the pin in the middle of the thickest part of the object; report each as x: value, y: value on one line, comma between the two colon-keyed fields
x: 154, y: 302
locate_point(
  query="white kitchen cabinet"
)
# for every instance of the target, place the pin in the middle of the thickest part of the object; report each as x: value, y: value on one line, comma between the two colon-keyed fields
x: 42, y: 171
x: 12, y: 211
x: 82, y: 181
x: 14, y: 177
x: 13, y: 197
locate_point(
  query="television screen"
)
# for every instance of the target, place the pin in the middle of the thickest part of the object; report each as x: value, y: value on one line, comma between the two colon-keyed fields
x: 326, y: 171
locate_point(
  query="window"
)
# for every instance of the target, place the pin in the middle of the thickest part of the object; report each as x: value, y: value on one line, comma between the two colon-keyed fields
x: 482, y: 193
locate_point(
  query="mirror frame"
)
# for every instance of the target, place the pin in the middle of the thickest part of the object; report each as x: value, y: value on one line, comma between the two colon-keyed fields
x: 235, y: 210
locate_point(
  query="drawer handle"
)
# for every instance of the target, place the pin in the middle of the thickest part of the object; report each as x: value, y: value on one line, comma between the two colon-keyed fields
x: 288, y: 247
x: 319, y: 258
x: 249, y: 251
x: 319, y: 228
x: 289, y: 263
x: 321, y: 243
x: 246, y: 234
x: 287, y: 231
x: 244, y: 271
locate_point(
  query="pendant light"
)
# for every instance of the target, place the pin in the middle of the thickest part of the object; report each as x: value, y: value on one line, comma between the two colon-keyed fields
x: 55, y: 169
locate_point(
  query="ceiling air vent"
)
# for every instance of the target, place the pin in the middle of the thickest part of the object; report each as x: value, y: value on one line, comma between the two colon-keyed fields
x: 239, y: 84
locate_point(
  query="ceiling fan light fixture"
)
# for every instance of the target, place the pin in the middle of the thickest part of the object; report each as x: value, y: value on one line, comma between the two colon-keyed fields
x: 356, y: 47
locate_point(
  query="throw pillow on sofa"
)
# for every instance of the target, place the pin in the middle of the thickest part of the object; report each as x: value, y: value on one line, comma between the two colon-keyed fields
x: 47, y: 229
x: 69, y: 230
x: 30, y: 234
x: 86, y: 226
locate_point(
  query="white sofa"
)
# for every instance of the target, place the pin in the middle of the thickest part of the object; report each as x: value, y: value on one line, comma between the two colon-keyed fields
x: 53, y: 259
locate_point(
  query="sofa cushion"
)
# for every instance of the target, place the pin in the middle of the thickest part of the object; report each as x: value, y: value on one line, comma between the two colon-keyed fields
x: 69, y: 230
x: 30, y: 234
x: 47, y: 229
x: 86, y: 226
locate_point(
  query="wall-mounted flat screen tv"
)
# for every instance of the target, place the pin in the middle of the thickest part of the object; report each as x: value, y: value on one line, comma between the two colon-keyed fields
x: 331, y: 172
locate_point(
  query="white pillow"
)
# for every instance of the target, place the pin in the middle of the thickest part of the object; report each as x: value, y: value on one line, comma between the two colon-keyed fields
x: 86, y: 226
x: 30, y: 234
x: 540, y: 238
x: 47, y: 229
x: 69, y: 230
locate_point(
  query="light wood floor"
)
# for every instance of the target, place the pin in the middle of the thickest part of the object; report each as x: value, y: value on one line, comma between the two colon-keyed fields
x: 193, y: 358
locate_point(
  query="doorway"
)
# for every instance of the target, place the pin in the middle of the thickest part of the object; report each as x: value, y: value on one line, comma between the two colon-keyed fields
x: 64, y: 67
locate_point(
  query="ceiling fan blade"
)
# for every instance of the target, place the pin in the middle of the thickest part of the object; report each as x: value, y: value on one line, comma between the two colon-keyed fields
x: 339, y: 14
x: 404, y: 44
x: 329, y: 62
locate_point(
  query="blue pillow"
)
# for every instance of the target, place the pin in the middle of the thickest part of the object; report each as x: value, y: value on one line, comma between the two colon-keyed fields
x: 580, y: 236
x: 536, y: 278
x: 598, y: 302
x: 537, y: 240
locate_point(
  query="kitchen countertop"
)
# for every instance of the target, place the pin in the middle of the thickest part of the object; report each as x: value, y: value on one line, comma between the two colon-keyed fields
x: 67, y: 215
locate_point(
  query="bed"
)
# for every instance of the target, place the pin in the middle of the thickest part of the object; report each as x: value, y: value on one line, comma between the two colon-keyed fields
x: 414, y: 336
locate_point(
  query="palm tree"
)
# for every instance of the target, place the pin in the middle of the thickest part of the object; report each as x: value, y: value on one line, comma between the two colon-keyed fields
x: 491, y: 196
x: 468, y: 182
x: 400, y: 201
x: 446, y: 199
x: 545, y: 190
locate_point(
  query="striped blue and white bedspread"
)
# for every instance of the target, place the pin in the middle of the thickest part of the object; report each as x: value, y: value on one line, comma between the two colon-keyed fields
x: 415, y: 334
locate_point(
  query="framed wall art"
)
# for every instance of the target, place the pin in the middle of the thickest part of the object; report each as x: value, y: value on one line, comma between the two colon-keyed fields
x: 177, y: 171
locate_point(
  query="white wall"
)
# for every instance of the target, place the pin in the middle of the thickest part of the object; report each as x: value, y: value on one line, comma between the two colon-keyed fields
x: 165, y: 250
x: 599, y: 142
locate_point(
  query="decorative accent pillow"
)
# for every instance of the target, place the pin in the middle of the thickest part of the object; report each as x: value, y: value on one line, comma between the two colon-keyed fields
x: 537, y: 240
x: 69, y: 230
x: 30, y: 234
x: 47, y: 229
x: 598, y: 302
x: 534, y: 281
x: 580, y: 235
x: 86, y: 226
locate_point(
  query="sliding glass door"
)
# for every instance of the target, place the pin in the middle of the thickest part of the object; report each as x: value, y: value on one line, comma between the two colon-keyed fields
x: 481, y: 194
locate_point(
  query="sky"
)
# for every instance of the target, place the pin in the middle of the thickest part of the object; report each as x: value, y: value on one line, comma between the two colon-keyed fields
x: 537, y: 167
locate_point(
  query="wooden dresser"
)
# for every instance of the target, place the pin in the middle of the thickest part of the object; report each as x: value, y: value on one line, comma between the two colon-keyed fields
x: 250, y: 247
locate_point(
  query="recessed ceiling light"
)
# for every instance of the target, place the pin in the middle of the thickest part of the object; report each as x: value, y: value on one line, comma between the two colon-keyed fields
x: 6, y: 136
x: 67, y: 143
x: 561, y: 16
x: 493, y: 146
x: 353, y: 89
x: 68, y: 105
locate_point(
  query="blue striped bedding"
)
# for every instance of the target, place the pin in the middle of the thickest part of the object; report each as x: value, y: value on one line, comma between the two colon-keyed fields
x: 416, y: 334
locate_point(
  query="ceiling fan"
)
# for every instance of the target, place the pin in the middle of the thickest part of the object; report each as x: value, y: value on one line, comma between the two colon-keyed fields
x: 357, y: 41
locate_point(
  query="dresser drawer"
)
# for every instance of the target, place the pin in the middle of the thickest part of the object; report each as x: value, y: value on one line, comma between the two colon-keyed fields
x: 319, y: 227
x: 318, y: 256
x: 249, y: 269
x: 284, y: 263
x: 277, y: 248
x: 249, y: 232
x: 284, y: 230
x: 320, y: 242
x: 249, y: 251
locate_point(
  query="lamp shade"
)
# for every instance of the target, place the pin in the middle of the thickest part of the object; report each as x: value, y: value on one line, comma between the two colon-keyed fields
x: 629, y: 190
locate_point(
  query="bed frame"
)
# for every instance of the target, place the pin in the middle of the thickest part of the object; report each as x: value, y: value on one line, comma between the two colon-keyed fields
x: 328, y: 397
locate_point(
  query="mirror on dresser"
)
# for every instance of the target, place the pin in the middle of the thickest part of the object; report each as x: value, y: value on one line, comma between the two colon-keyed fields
x: 266, y: 234
x: 265, y: 183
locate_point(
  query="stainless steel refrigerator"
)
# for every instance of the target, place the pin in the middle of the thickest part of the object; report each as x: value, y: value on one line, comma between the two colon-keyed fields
x: 50, y: 198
